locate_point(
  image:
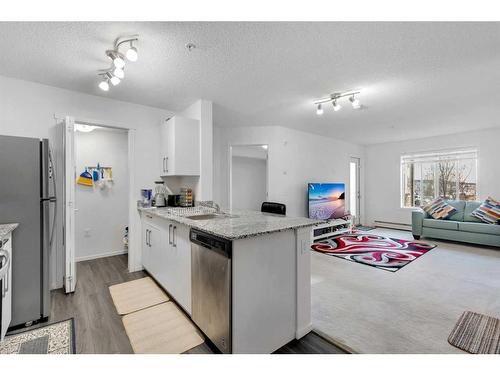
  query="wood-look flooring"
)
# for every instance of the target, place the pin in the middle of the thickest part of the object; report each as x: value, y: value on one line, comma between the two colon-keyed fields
x: 99, y: 328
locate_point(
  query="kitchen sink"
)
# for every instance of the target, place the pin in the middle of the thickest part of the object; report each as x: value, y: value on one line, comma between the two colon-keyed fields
x: 210, y: 216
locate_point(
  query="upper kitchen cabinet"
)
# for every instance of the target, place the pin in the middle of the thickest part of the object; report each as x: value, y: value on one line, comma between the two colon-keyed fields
x: 180, y: 147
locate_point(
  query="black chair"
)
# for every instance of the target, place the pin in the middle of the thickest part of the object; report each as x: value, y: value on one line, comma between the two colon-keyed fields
x: 273, y: 208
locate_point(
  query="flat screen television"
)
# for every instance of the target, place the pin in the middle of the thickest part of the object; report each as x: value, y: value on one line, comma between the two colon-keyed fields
x: 326, y: 201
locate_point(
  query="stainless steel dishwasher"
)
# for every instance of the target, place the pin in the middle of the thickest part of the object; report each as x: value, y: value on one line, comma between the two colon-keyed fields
x: 211, y: 287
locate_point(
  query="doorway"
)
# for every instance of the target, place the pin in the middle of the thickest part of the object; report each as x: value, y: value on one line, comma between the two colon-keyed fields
x: 248, y: 176
x: 101, y: 196
x: 112, y: 180
x: 354, y: 190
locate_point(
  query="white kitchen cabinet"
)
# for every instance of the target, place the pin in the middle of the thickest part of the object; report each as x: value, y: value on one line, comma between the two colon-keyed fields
x: 166, y: 256
x: 151, y: 247
x: 6, y: 291
x: 180, y: 147
x: 182, y: 274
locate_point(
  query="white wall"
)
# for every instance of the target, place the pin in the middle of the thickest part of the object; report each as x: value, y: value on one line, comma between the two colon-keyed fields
x: 382, y: 172
x: 295, y: 158
x: 249, y: 183
x: 28, y: 108
x: 102, y: 213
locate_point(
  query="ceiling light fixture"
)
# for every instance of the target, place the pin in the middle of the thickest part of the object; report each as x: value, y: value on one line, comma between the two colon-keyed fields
x: 84, y: 128
x: 319, y: 110
x: 116, y: 72
x: 333, y: 98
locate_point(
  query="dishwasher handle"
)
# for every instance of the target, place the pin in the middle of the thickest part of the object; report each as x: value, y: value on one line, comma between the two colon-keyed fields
x: 212, y: 242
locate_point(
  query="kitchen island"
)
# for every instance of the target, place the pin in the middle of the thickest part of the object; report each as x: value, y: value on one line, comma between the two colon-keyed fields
x: 270, y: 298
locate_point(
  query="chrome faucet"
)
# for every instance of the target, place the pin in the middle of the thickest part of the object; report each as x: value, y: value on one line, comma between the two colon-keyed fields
x: 211, y: 204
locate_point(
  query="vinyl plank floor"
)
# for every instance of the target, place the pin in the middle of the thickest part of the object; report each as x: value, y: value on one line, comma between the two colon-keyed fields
x: 99, y: 328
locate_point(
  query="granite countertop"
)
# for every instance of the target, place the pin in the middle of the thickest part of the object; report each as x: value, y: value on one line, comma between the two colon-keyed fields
x: 5, y: 229
x: 239, y: 224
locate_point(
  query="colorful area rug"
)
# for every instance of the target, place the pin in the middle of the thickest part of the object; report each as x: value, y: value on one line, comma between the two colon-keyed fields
x: 390, y: 254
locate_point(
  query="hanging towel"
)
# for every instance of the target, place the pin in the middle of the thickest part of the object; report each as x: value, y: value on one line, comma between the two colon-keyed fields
x: 85, y: 179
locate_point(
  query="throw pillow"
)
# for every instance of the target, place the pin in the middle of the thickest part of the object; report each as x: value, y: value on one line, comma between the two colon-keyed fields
x: 488, y: 211
x: 439, y: 209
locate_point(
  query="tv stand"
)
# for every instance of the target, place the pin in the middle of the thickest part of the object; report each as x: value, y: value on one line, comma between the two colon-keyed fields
x: 331, y: 228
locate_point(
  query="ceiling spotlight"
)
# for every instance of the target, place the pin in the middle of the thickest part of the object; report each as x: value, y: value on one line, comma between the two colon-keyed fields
x: 104, y: 85
x: 319, y: 110
x: 118, y: 62
x: 132, y: 53
x: 355, y: 102
x: 117, y: 58
x: 336, y: 106
x: 114, y: 80
x: 120, y: 73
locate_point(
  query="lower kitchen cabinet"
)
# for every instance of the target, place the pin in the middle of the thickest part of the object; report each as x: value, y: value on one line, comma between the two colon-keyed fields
x: 166, y: 255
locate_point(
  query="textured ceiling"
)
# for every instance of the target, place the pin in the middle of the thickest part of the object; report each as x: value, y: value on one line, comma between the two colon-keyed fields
x: 418, y: 79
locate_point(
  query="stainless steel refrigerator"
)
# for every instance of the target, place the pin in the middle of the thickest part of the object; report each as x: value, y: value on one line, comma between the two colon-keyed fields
x: 27, y: 190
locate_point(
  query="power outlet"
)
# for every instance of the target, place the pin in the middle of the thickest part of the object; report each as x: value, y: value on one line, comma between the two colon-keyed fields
x: 86, y: 232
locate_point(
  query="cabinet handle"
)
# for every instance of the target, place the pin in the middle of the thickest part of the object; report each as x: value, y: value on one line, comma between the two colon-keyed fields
x: 166, y: 164
x: 150, y: 238
x: 174, y: 242
x: 163, y: 164
x: 169, y: 237
x: 147, y: 232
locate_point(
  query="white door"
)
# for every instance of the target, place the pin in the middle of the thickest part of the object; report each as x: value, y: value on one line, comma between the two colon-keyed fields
x: 354, y: 191
x: 69, y: 205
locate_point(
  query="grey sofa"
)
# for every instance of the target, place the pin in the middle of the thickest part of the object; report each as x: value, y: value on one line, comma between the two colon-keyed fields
x: 461, y: 226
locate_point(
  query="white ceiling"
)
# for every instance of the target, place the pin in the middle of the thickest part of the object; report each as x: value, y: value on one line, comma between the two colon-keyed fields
x: 418, y: 79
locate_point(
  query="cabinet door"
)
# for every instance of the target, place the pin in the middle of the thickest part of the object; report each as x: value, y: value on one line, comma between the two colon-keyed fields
x: 187, y: 147
x: 182, y: 251
x: 154, y: 240
x: 165, y: 261
x: 146, y: 251
x: 170, y: 149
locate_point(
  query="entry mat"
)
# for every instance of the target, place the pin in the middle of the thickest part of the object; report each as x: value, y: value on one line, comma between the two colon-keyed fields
x: 136, y: 295
x: 476, y: 333
x: 54, y: 338
x: 390, y: 254
x: 161, y: 329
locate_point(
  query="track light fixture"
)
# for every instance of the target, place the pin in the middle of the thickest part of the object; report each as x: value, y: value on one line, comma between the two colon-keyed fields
x: 333, y: 98
x: 116, y: 73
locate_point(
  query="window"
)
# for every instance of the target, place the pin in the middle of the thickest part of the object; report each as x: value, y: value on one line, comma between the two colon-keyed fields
x: 450, y: 174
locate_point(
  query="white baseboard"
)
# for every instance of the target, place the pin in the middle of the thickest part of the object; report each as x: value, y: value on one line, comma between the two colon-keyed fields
x: 392, y: 225
x: 302, y: 331
x: 102, y: 255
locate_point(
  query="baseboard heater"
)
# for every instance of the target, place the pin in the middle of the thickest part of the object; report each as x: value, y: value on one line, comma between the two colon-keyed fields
x: 391, y: 225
